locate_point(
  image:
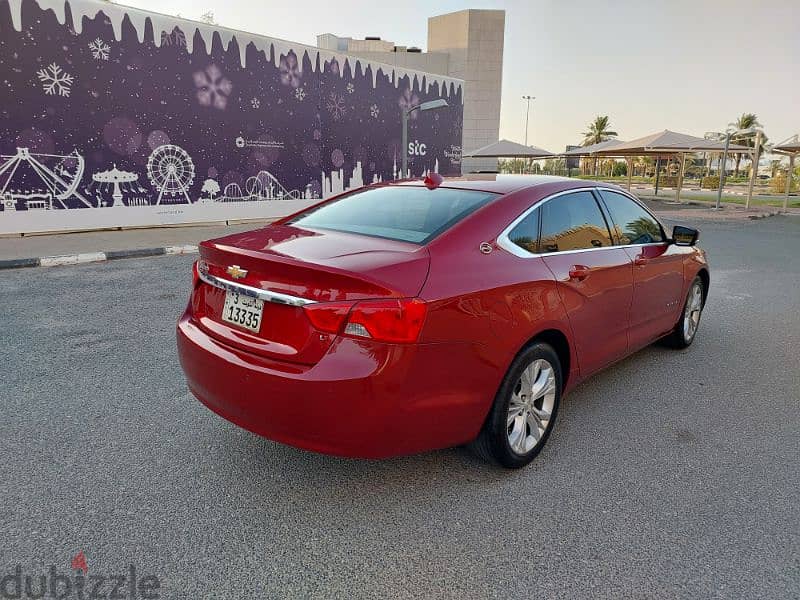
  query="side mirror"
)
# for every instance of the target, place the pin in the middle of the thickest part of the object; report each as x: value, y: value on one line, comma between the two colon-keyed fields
x: 684, y: 236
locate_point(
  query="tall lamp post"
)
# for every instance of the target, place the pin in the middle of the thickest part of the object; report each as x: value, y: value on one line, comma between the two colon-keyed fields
x: 430, y: 105
x: 527, y: 114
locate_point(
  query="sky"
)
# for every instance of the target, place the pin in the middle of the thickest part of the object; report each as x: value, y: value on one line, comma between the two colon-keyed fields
x: 691, y: 66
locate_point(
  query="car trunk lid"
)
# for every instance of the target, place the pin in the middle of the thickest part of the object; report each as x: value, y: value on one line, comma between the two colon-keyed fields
x: 296, y: 266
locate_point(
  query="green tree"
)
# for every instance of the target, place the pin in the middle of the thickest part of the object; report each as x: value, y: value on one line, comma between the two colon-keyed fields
x: 514, y: 165
x: 642, y: 230
x: 598, y: 131
x: 747, y: 121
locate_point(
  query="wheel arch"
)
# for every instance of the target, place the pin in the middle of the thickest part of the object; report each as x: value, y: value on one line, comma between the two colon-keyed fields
x: 705, y: 277
x: 559, y: 341
x: 556, y: 339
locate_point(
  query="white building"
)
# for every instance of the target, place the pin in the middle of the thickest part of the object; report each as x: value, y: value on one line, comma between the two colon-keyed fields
x: 467, y: 44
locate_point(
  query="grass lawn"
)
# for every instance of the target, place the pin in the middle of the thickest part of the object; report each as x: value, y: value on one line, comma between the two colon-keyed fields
x: 708, y: 197
x: 794, y: 201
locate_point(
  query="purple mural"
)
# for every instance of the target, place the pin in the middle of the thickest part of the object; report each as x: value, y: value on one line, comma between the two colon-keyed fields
x: 110, y: 107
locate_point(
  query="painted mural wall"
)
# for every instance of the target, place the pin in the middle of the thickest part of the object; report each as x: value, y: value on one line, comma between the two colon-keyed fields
x: 110, y: 116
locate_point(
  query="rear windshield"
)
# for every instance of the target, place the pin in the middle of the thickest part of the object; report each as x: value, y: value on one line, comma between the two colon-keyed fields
x: 408, y: 214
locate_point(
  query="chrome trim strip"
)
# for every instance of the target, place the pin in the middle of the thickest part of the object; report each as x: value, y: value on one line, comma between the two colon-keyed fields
x: 506, y: 244
x: 247, y: 290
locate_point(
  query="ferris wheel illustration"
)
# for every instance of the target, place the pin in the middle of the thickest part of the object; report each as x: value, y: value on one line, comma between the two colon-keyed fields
x: 171, y: 171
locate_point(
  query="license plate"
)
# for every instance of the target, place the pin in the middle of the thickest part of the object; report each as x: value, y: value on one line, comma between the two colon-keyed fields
x: 243, y: 311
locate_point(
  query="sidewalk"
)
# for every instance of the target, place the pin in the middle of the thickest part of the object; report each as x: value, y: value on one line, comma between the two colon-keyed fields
x: 113, y: 241
x: 71, y: 248
x: 692, y: 210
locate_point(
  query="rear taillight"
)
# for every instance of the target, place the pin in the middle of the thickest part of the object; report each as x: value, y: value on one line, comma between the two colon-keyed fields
x: 199, y: 266
x: 389, y: 320
x: 195, y: 274
x: 328, y: 316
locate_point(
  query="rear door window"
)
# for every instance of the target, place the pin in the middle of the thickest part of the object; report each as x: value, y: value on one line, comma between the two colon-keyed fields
x: 573, y: 222
x: 403, y: 213
x: 526, y: 233
x: 632, y: 223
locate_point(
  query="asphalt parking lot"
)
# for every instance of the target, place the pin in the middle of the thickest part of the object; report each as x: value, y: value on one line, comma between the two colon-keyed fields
x: 673, y: 474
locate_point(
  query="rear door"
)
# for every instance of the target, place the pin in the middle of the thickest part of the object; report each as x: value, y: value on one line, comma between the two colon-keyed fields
x: 657, y: 268
x: 596, y: 279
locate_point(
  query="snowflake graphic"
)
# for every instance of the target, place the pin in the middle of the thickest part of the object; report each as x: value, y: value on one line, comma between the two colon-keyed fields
x: 335, y: 106
x: 99, y: 49
x: 255, y: 103
x: 407, y: 100
x: 213, y: 88
x: 300, y: 94
x: 290, y: 70
x: 55, y: 80
x: 350, y: 88
x: 374, y: 111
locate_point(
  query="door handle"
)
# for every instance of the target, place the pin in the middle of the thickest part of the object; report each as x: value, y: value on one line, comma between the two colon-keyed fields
x: 640, y: 260
x: 579, y: 272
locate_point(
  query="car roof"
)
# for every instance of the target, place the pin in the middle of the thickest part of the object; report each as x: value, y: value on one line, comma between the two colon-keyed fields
x: 495, y: 182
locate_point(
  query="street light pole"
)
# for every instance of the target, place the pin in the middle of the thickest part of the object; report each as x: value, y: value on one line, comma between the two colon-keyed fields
x: 527, y: 114
x: 404, y: 145
x: 425, y: 106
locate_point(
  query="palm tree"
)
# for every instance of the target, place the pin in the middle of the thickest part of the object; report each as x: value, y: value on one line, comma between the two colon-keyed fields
x: 642, y: 230
x: 598, y: 132
x: 746, y: 121
x: 642, y: 162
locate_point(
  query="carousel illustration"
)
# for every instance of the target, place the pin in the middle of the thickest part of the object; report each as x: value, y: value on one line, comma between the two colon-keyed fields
x: 120, y: 181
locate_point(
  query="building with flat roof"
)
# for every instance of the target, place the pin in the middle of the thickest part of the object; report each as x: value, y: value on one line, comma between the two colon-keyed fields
x: 467, y: 44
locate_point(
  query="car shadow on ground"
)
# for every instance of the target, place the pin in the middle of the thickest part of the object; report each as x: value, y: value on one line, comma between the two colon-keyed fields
x: 245, y: 456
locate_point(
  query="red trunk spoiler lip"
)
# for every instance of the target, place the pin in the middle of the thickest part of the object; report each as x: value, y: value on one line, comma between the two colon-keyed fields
x: 368, y: 283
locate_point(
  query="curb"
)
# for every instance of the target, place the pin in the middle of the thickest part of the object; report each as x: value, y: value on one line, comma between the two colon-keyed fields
x: 90, y: 257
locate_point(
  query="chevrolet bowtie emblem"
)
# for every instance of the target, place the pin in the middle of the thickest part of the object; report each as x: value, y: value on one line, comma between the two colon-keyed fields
x: 236, y: 271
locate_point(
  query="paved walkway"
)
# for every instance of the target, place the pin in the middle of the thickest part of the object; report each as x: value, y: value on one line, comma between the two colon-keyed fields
x: 104, y: 241
x: 35, y: 246
x: 691, y: 211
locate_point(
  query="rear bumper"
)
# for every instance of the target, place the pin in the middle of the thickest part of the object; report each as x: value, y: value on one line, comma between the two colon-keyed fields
x: 362, y: 399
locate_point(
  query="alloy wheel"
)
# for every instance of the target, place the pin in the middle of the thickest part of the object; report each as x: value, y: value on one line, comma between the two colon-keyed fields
x: 531, y: 406
x: 691, y: 314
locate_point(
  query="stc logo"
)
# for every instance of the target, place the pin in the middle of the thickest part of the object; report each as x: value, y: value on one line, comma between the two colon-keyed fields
x: 417, y: 148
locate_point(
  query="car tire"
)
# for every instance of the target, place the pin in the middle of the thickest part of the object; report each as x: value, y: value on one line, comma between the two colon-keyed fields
x: 516, y: 429
x: 685, y: 329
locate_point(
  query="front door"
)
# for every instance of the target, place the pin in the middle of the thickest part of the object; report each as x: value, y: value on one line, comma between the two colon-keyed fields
x: 657, y: 268
x: 595, y: 278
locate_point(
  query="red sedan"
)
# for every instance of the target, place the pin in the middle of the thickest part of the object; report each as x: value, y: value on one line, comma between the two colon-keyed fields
x: 418, y: 315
